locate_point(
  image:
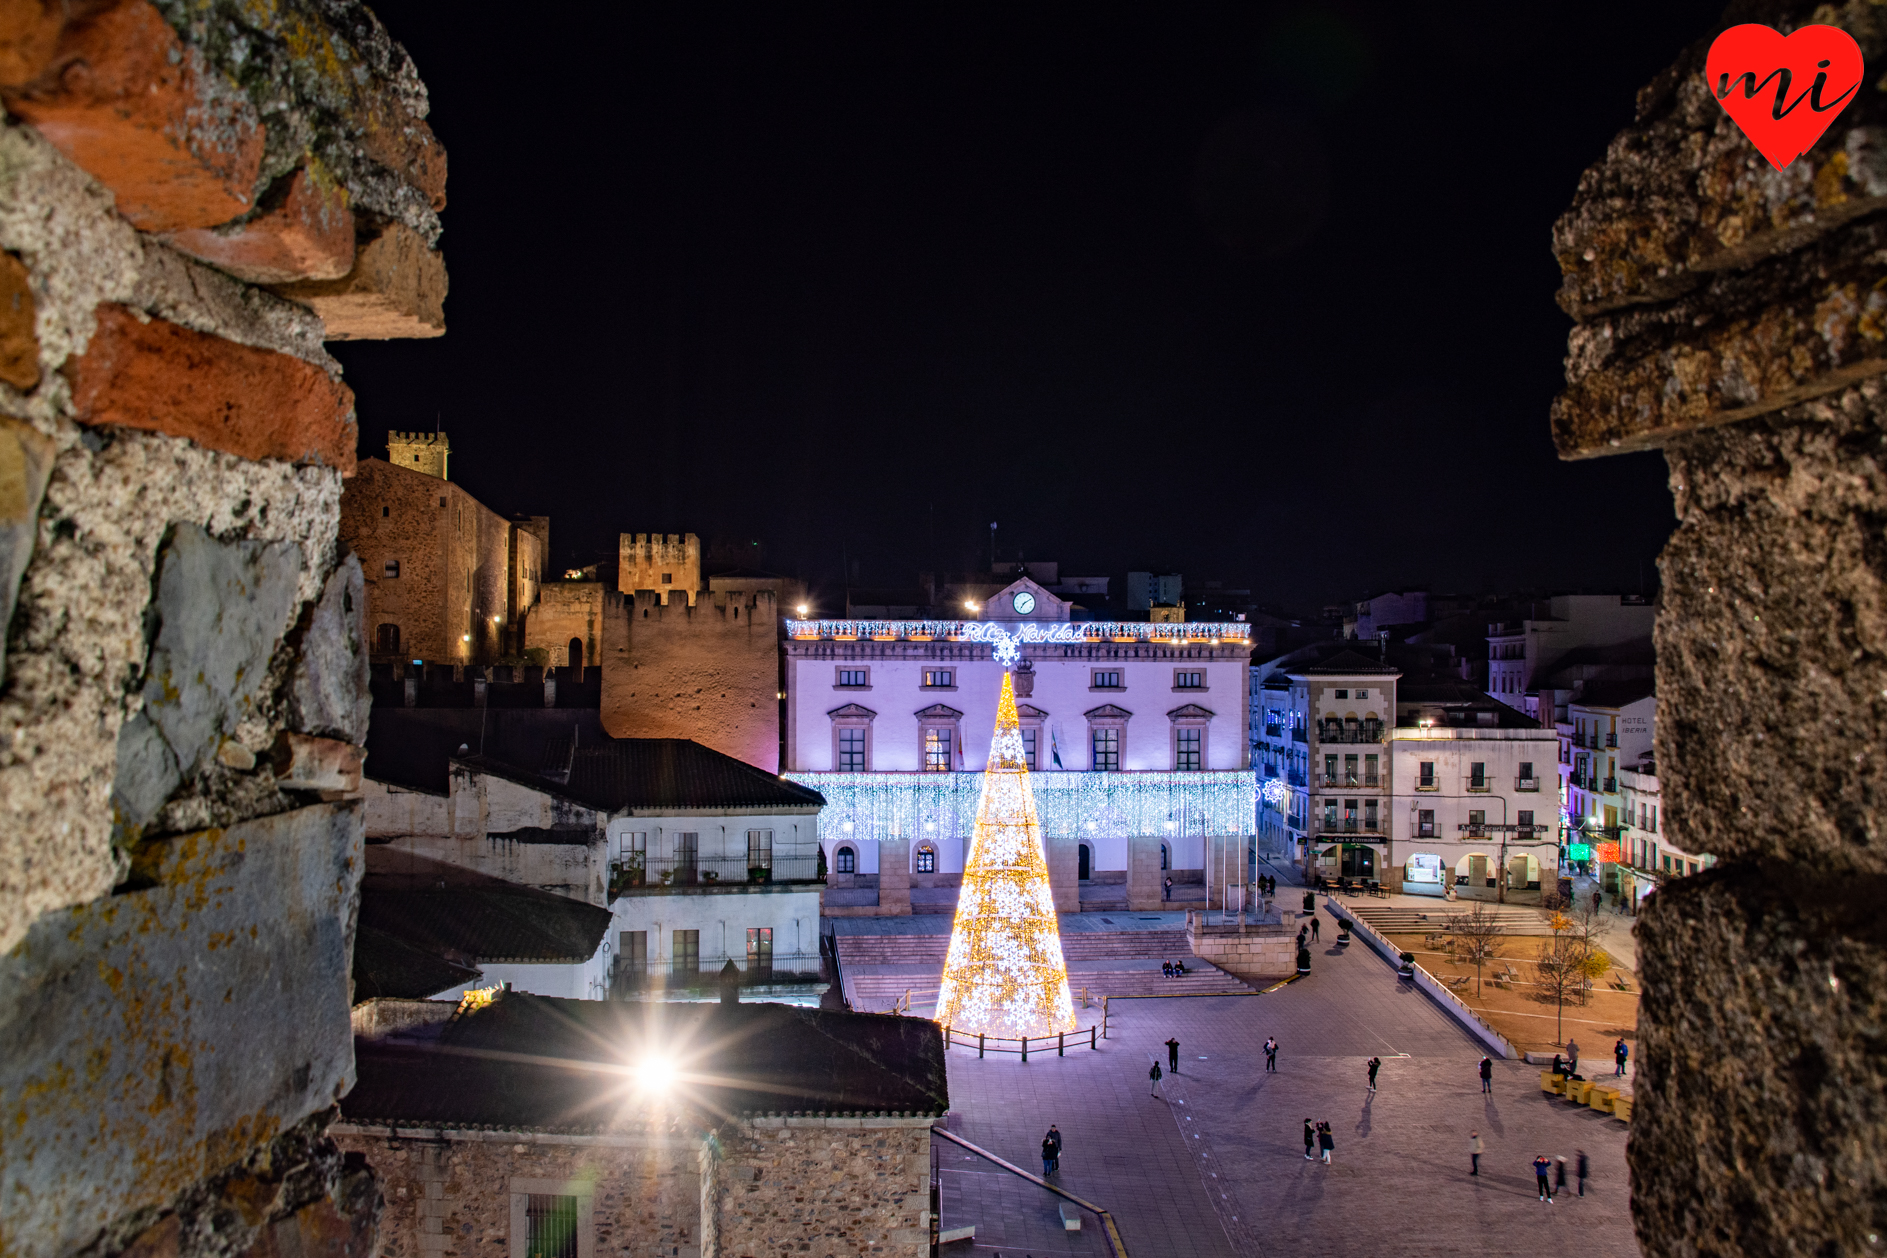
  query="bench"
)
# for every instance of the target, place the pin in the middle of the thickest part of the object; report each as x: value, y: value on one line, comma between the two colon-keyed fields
x: 1070, y: 1216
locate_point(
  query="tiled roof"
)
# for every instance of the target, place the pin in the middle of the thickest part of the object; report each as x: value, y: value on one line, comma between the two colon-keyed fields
x: 412, y: 747
x: 632, y: 773
x: 1348, y: 664
x: 535, y: 1063
x: 483, y: 924
x: 385, y: 965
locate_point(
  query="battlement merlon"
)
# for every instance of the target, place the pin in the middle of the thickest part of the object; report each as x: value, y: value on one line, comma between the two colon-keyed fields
x: 425, y: 452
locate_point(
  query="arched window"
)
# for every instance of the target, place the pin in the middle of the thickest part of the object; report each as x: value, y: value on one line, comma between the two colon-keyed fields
x: 926, y: 859
x: 1084, y: 863
x: 1166, y: 858
x: 576, y: 655
x: 386, y: 639
x: 846, y: 860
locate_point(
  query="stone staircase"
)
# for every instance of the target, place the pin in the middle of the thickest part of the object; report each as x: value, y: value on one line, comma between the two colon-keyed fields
x: 1404, y: 920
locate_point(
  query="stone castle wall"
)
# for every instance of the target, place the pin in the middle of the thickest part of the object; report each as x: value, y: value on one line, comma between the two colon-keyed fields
x: 185, y: 670
x: 566, y: 610
x: 1730, y: 316
x: 710, y: 671
x: 644, y: 559
x: 828, y: 1187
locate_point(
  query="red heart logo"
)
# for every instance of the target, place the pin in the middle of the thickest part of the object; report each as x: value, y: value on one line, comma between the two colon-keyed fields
x: 1784, y: 91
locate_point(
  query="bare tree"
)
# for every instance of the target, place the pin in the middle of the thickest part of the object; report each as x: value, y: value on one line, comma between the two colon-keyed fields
x: 1570, y: 961
x: 1477, y: 934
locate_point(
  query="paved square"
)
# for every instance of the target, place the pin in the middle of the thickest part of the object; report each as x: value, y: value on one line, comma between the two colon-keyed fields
x: 1216, y: 1166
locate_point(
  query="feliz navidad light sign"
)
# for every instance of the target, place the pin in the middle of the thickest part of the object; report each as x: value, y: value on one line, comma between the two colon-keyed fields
x: 1784, y: 91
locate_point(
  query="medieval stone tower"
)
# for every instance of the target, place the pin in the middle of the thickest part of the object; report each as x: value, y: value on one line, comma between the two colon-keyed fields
x: 420, y: 452
x: 650, y: 561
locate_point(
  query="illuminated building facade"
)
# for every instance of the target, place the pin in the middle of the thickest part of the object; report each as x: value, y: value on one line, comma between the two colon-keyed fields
x: 1134, y: 733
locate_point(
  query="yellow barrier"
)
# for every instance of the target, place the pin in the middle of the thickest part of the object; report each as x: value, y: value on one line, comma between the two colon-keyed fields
x: 1621, y: 1108
x: 1602, y: 1099
x: 1550, y: 1082
x: 1577, y: 1090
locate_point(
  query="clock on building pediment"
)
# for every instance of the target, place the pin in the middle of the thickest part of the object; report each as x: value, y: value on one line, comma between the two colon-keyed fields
x: 1024, y: 602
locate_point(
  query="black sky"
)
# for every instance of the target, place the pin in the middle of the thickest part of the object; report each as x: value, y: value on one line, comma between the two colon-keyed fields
x: 1260, y: 294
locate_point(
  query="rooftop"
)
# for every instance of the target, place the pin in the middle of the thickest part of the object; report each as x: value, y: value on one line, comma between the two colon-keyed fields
x: 536, y: 1063
x: 631, y: 775
x: 1611, y: 694
x: 1348, y: 664
x: 467, y: 918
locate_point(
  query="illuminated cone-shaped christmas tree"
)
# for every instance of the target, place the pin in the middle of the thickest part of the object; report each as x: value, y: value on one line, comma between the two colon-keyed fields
x: 1004, y: 974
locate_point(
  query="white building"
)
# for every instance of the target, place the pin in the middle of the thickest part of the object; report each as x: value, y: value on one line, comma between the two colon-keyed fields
x: 1520, y: 653
x: 1611, y: 726
x: 700, y: 858
x: 1475, y: 807
x: 1135, y: 732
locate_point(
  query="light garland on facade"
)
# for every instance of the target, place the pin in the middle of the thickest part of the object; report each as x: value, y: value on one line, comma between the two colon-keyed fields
x: 1068, y: 633
x: 1004, y: 974
x: 1069, y: 805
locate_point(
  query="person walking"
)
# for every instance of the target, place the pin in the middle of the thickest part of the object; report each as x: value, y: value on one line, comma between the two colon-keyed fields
x: 1476, y: 1147
x: 1054, y: 1133
x: 1166, y: 889
x: 1048, y: 1155
x: 1326, y: 1141
x: 1310, y: 1139
x: 1271, y: 1055
x: 1620, y: 1051
x: 1487, y: 1075
x: 1316, y: 928
x: 1154, y: 1074
x: 1542, y: 1167
x: 1172, y: 1055
x: 1375, y: 1064
x: 1572, y: 1058
x: 1582, y: 1168
x: 1559, y: 1174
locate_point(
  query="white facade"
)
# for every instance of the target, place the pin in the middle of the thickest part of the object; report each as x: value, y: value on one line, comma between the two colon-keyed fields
x: 1606, y: 737
x: 1472, y: 802
x: 1135, y: 731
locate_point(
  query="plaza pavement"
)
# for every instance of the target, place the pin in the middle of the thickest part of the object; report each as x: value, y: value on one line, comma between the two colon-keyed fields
x: 1216, y: 1167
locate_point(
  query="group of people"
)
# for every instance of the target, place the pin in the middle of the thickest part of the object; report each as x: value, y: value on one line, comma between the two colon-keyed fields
x: 1549, y: 1174
x: 1567, y: 1064
x: 1174, y: 969
x: 1319, y: 1136
x: 1051, y: 1150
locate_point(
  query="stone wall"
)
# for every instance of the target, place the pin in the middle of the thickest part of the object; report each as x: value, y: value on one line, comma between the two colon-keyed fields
x: 1253, y: 952
x: 185, y: 686
x: 708, y: 671
x: 1731, y: 315
x: 644, y: 559
x: 829, y: 1187
x: 567, y: 610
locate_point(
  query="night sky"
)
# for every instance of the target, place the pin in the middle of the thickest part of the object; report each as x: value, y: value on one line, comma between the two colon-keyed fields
x: 1261, y: 295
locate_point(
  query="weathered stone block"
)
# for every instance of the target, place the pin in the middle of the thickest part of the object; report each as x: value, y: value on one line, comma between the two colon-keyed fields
x: 303, y: 230
x: 316, y: 764
x: 154, y: 375
x: 221, y: 609
x: 154, y: 1037
x: 25, y: 465
x: 329, y: 688
x: 178, y: 144
x: 1772, y: 638
x: 396, y: 290
x: 1762, y: 1085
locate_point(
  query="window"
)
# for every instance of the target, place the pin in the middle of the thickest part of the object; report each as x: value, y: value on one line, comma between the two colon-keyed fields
x: 392, y: 569
x: 386, y: 639
x: 1369, y: 816
x: 1653, y: 827
x: 1330, y: 769
x: 632, y: 955
x: 1371, y: 770
x: 851, y: 749
x: 1349, y: 770
x: 1189, y: 681
x: 1107, y: 750
x: 1188, y: 758
x: 937, y: 749
x: 550, y: 1226
x: 385, y: 512
x: 939, y: 678
x: 759, y: 849
x: 1349, y: 814
x: 1477, y: 776
x: 668, y: 578
x: 1342, y: 694
x: 1426, y: 777
x: 1362, y: 694
x: 684, y: 955
x: 1693, y: 866
x: 1667, y: 862
x: 926, y: 859
x: 760, y: 950
x: 1524, y: 819
x: 854, y: 677
x: 632, y: 846
x: 1477, y: 820
x: 1425, y: 824
x: 1330, y: 814
x: 846, y: 861
x: 1029, y: 734
x: 686, y: 844
x: 1107, y: 681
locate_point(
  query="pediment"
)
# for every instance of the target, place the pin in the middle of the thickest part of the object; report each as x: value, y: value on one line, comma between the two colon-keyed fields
x: 939, y: 712
x: 1106, y: 712
x: 1042, y: 604
x: 1190, y: 712
x: 1029, y: 712
x: 852, y: 711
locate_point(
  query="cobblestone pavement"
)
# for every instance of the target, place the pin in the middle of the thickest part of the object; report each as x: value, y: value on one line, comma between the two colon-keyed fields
x: 1216, y: 1167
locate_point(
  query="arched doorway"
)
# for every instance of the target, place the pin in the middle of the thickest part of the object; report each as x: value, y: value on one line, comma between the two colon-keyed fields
x: 576, y: 656
x: 1084, y: 863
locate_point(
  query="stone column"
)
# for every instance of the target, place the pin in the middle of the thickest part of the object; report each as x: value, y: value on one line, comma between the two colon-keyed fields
x: 894, y: 878
x: 1733, y: 317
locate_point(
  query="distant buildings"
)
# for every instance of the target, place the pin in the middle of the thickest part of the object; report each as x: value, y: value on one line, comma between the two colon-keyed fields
x: 1522, y: 652
x: 1146, y: 590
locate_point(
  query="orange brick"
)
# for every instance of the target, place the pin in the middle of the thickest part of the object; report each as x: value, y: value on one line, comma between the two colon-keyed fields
x: 309, y: 235
x: 126, y: 100
x: 408, y: 147
x: 159, y: 377
x: 19, y: 342
x: 29, y: 36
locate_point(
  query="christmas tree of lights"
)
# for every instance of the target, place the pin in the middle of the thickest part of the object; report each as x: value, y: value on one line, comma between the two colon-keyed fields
x: 1004, y: 974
